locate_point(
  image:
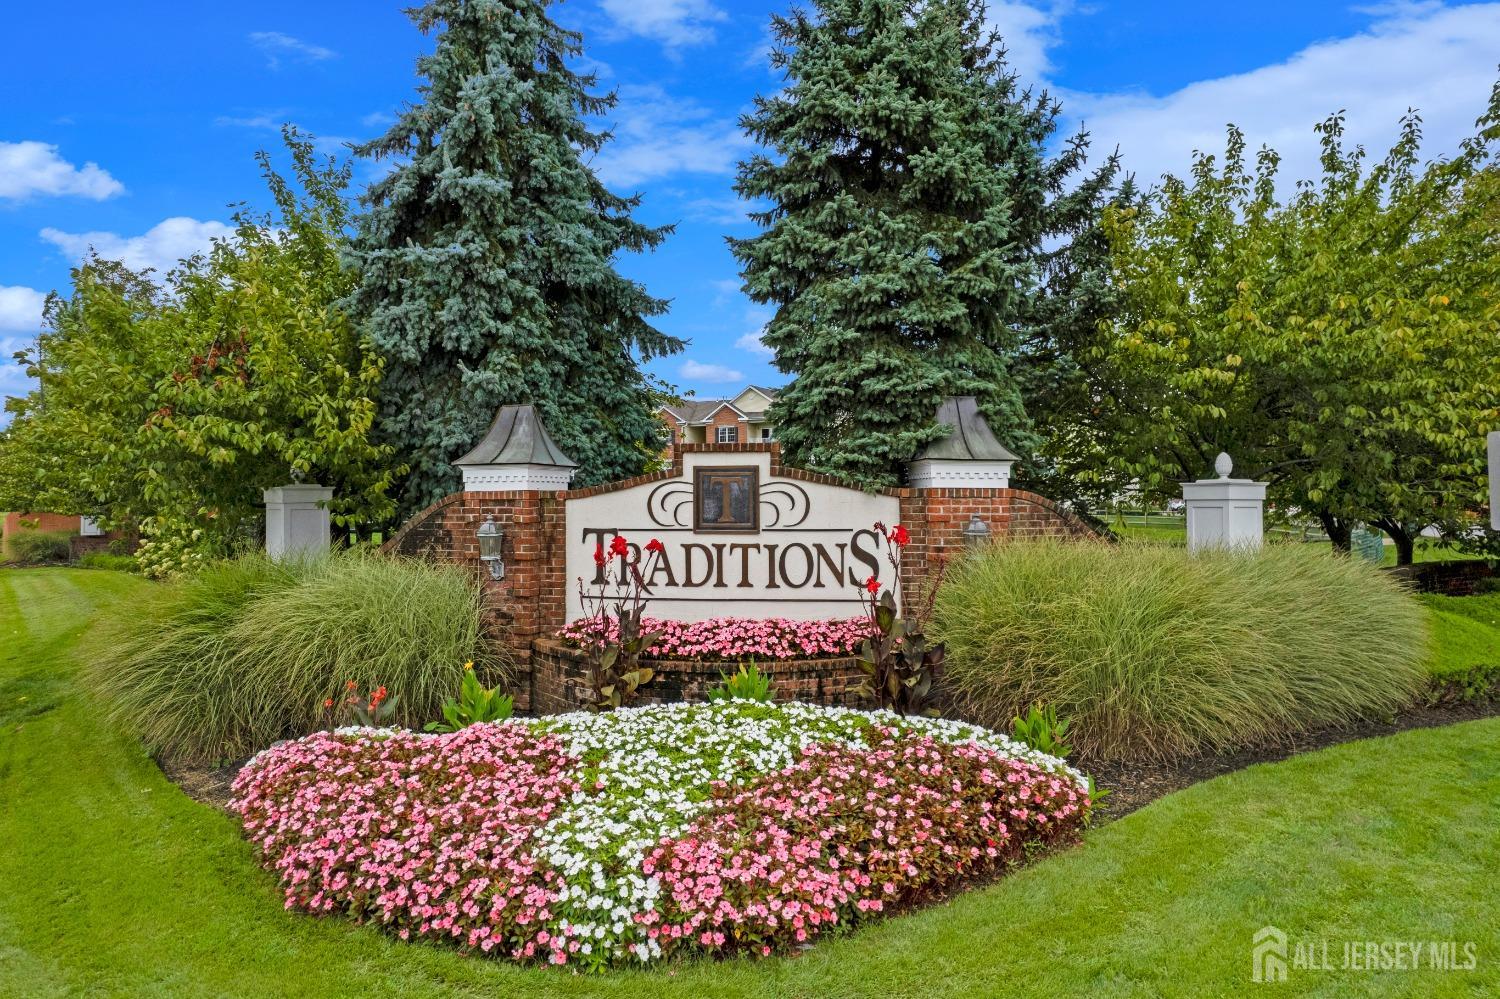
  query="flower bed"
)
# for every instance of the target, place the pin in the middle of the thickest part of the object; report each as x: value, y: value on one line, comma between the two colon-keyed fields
x: 630, y: 836
x: 734, y: 639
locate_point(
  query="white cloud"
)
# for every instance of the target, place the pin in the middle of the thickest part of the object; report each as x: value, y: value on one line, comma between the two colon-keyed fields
x: 725, y: 289
x: 656, y: 135
x: 1438, y: 60
x: 1028, y: 31
x: 756, y: 318
x: 709, y: 372
x: 20, y: 309
x: 159, y: 248
x: 265, y: 119
x: 378, y: 119
x: 20, y: 319
x: 752, y: 343
x: 730, y: 210
x: 674, y: 23
x: 28, y: 168
x: 277, y: 46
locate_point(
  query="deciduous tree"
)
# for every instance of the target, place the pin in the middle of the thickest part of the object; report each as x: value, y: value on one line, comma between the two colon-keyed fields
x: 1342, y: 344
x: 170, y: 407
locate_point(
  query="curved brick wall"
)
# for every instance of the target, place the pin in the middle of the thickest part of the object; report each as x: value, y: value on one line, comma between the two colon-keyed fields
x: 528, y: 604
x: 559, y: 680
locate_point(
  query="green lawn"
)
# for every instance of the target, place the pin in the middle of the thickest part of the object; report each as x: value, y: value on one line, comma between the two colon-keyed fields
x: 112, y: 882
x: 1465, y: 639
x: 1168, y: 529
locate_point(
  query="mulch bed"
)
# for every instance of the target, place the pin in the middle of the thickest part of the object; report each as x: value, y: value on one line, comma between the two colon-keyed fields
x: 1135, y: 784
x: 1132, y: 784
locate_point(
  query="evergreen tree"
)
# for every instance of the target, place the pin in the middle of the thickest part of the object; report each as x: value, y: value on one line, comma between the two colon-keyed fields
x: 1075, y: 295
x: 486, y: 255
x: 910, y: 197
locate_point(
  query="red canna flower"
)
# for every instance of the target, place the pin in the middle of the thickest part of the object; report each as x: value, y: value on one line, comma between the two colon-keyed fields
x: 900, y: 536
x: 599, y: 556
x: 655, y: 545
x: 618, y: 546
x: 872, y: 584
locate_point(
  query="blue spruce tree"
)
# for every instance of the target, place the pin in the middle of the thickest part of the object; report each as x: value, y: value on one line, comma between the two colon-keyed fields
x: 486, y: 257
x: 906, y: 242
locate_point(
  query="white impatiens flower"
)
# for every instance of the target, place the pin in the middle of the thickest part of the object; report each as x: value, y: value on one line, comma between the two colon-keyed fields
x: 651, y: 768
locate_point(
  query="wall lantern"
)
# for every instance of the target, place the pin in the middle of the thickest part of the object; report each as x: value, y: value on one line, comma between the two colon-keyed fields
x: 977, y: 533
x: 490, y: 537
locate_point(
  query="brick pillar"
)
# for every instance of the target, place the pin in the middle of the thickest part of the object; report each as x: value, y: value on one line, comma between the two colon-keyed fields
x: 527, y: 603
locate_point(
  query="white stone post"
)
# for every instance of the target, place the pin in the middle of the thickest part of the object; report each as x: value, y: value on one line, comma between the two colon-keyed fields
x: 297, y: 520
x: 1224, y: 512
x: 1494, y: 440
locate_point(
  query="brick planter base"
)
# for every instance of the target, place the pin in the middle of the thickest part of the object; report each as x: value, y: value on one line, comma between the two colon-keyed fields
x: 560, y: 680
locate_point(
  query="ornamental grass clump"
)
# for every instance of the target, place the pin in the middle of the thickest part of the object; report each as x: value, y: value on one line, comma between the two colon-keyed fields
x: 628, y: 836
x: 33, y: 547
x: 227, y: 661
x: 1151, y: 652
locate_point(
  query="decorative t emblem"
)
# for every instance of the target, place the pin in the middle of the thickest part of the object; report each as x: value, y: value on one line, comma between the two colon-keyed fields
x: 726, y: 499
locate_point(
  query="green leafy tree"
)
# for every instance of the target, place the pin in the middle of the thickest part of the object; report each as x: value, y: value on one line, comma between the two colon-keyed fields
x: 486, y: 255
x: 909, y: 197
x: 1342, y: 345
x: 171, y: 407
x: 73, y: 445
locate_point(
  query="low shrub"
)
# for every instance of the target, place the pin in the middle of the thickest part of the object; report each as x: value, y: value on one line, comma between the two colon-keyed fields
x: 599, y: 838
x: 107, y: 560
x: 734, y: 639
x: 248, y: 651
x: 32, y: 547
x: 1152, y: 652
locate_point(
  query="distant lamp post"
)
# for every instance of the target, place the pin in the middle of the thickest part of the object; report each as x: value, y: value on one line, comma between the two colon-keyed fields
x: 490, y: 537
x: 977, y: 533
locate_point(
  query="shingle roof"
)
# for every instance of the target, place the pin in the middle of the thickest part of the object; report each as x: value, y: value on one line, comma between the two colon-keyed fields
x: 695, y: 410
x: 971, y: 438
x: 517, y: 437
x: 699, y: 410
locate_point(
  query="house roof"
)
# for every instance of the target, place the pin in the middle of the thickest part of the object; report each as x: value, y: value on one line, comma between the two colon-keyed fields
x: 517, y: 437
x: 695, y: 410
x: 971, y: 438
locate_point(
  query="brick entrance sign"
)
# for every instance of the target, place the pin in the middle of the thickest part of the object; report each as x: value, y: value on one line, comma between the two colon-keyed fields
x: 744, y: 535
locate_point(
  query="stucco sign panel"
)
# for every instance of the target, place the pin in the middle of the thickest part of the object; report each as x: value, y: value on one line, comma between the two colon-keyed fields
x: 740, y: 542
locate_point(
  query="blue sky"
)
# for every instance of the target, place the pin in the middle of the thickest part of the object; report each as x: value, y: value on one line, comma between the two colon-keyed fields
x: 131, y: 127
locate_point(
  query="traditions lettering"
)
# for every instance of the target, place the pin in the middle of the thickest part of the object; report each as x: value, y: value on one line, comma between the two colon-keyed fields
x: 796, y: 565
